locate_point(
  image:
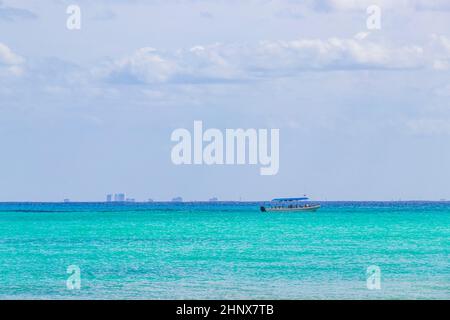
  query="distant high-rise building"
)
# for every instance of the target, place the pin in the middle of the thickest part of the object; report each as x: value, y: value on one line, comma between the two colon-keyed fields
x: 108, y: 197
x: 119, y: 197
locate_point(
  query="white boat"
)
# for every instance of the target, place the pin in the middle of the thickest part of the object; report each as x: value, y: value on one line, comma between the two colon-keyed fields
x: 290, y: 205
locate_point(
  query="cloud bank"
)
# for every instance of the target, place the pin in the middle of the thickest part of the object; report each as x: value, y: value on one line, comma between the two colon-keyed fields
x: 234, y: 62
x: 267, y: 59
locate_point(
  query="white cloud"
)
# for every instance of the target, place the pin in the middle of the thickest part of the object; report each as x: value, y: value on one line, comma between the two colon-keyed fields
x: 146, y: 65
x: 10, y: 62
x: 267, y: 59
x: 333, y: 54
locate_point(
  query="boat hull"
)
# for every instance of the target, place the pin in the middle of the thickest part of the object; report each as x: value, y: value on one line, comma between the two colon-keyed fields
x: 300, y: 209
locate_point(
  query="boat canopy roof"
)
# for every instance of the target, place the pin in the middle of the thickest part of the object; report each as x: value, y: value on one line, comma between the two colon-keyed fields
x: 290, y: 199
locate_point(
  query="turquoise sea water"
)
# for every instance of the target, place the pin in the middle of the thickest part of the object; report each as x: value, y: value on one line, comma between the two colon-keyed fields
x: 224, y: 251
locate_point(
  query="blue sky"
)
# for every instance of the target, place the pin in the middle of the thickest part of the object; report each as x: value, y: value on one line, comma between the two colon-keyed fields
x: 363, y: 114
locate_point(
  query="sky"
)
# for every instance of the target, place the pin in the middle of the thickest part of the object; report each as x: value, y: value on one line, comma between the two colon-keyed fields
x: 363, y: 113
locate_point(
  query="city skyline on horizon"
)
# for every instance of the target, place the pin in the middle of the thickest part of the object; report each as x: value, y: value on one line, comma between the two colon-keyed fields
x: 181, y: 199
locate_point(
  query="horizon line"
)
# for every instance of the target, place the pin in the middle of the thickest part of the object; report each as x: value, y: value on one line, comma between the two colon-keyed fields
x: 209, y: 201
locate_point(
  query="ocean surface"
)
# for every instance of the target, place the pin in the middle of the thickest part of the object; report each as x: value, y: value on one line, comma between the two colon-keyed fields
x: 224, y: 251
